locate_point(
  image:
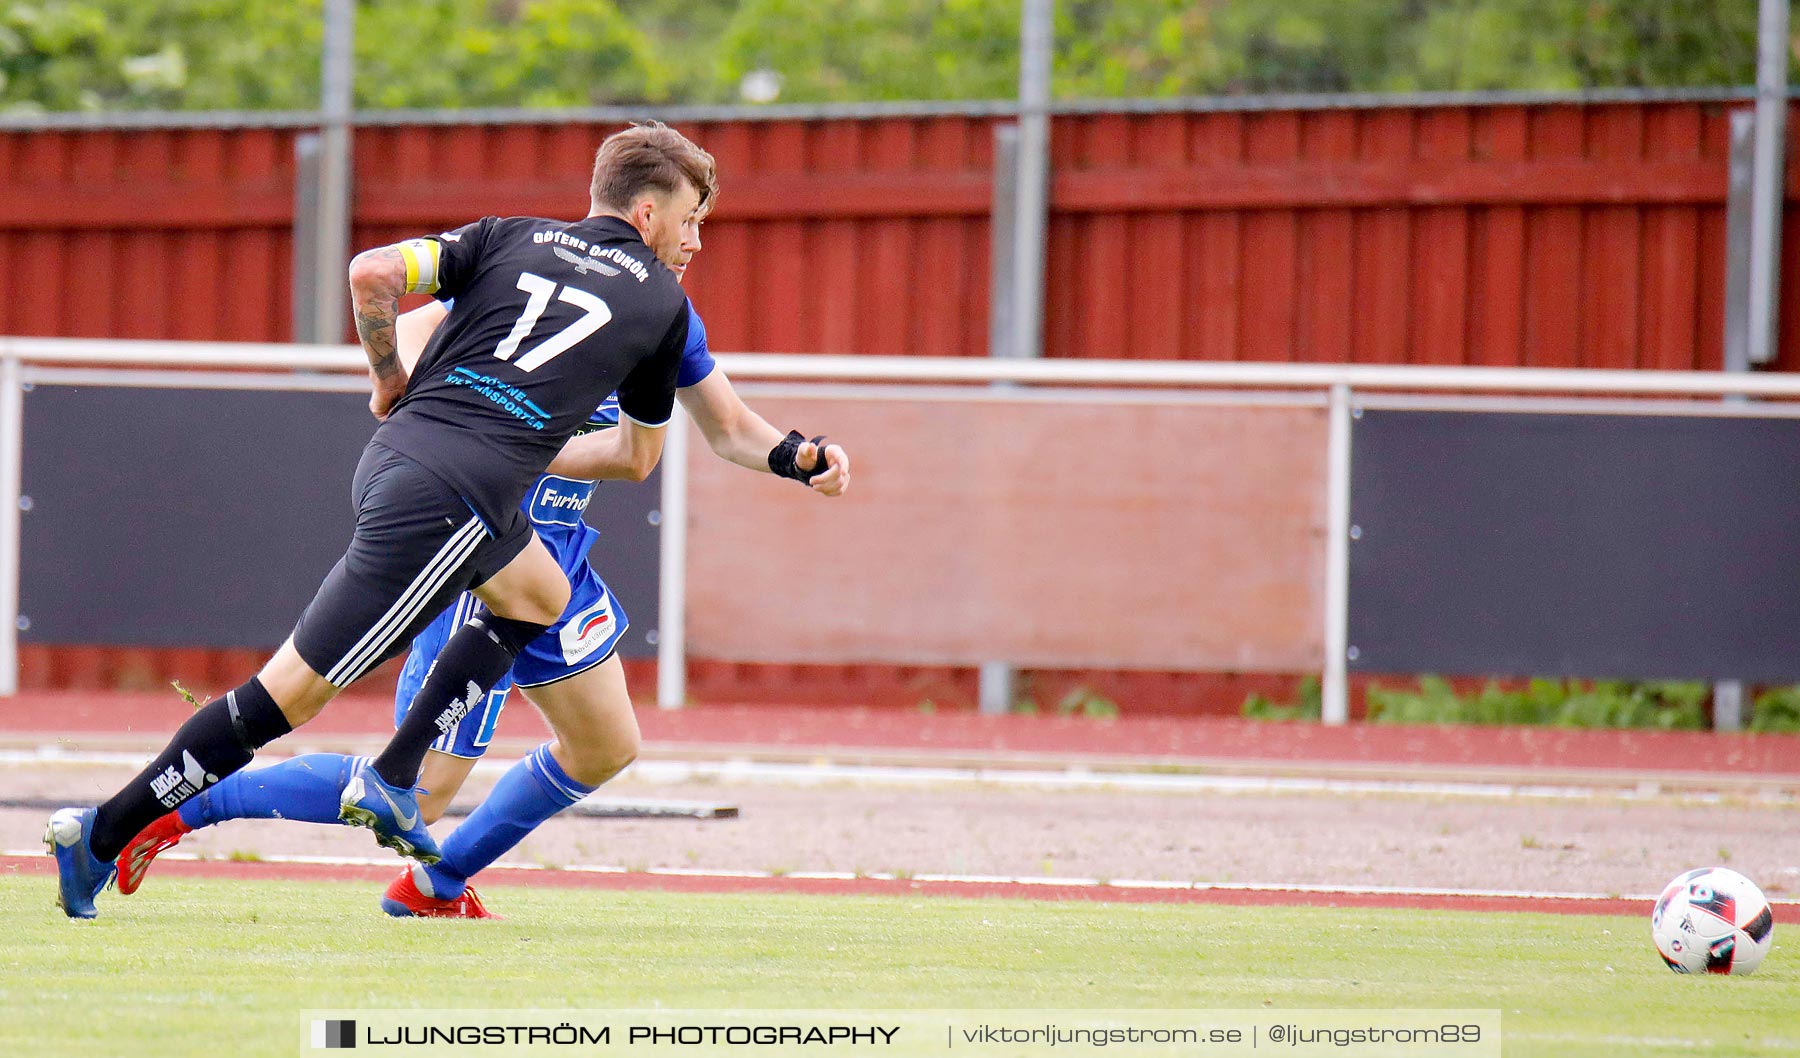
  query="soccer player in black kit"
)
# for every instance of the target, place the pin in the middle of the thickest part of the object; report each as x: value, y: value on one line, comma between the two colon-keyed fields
x: 549, y: 317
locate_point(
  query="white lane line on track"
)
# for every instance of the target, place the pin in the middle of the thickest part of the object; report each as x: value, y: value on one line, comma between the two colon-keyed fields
x: 670, y: 772
x: 957, y: 879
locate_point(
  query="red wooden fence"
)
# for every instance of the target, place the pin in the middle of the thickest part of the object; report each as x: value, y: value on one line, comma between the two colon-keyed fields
x: 1550, y: 235
x: 1558, y: 234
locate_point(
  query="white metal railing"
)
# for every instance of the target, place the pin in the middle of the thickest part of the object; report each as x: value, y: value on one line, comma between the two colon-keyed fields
x: 114, y: 353
x: 66, y: 361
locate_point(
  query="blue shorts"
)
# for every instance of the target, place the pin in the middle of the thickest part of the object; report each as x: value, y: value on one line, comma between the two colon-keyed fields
x: 585, y: 636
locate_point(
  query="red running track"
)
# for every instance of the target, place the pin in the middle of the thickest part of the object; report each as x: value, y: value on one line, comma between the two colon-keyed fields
x: 307, y: 872
x: 812, y: 729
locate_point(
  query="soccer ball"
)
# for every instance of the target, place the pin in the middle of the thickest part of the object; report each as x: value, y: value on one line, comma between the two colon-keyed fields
x: 1711, y: 920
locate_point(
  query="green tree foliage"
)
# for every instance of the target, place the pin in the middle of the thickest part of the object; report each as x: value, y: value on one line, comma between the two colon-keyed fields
x: 226, y: 54
x: 477, y: 53
x: 1562, y: 44
x: 206, y: 54
x: 214, y: 54
x: 686, y: 37
x: 1223, y: 46
x: 876, y: 49
x: 901, y: 49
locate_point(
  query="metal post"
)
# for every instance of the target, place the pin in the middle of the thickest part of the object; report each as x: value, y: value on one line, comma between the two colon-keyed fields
x: 1753, y: 244
x: 1737, y: 240
x: 1030, y: 216
x: 12, y: 459
x: 1335, y: 686
x: 1768, y: 179
x: 1728, y: 705
x: 332, y: 239
x: 1728, y: 695
x: 305, y: 310
x: 1001, y: 235
x: 1753, y: 271
x: 671, y: 608
x: 997, y: 686
x: 1021, y: 205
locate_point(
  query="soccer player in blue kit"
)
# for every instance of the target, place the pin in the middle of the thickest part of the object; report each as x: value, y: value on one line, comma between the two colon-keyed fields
x: 570, y: 671
x: 552, y: 316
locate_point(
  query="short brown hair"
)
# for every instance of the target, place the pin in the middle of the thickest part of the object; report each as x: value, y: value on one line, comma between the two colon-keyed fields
x: 650, y: 157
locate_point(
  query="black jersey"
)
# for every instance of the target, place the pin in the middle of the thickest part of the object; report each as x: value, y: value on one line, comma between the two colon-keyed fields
x: 550, y: 317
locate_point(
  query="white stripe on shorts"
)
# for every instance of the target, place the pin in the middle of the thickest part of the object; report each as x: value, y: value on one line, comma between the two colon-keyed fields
x: 376, y: 640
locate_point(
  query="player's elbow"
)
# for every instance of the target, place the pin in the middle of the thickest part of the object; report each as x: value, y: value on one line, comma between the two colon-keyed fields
x: 634, y: 466
x: 365, y: 268
x: 374, y: 272
x: 725, y: 429
x: 725, y: 442
x: 646, y: 448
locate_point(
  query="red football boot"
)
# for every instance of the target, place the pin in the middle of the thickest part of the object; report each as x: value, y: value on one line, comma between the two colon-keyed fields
x: 155, y: 839
x: 403, y: 900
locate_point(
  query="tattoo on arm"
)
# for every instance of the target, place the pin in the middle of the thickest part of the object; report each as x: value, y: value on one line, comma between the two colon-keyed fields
x: 378, y: 279
x: 375, y: 327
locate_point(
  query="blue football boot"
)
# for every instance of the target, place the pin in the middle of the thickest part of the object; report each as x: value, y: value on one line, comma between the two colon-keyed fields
x: 392, y: 813
x: 80, y: 875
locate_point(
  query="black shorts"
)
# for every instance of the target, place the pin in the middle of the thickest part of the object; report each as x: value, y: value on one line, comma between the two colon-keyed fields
x: 417, y: 546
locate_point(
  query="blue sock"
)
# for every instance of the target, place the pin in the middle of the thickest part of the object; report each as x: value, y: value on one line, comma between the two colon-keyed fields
x: 306, y: 788
x: 530, y: 792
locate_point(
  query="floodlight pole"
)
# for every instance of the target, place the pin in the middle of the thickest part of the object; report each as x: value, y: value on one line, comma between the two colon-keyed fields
x: 322, y: 190
x: 1753, y: 243
x: 1740, y: 191
x: 1728, y: 694
x: 1768, y: 179
x: 1031, y: 212
x: 1020, y: 219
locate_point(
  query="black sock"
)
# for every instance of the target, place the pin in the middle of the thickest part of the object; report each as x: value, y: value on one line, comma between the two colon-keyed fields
x: 217, y: 740
x: 474, y: 659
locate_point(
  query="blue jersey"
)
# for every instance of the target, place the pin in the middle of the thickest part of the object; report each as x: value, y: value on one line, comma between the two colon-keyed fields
x: 555, y: 503
x: 593, y: 622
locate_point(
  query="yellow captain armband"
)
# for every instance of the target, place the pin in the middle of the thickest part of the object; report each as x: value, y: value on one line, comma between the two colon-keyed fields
x: 421, y: 256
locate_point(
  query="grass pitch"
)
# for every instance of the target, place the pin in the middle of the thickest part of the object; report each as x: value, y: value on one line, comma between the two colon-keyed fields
x: 195, y: 967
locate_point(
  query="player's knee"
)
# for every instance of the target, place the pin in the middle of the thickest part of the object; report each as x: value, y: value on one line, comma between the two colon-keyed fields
x: 543, y: 606
x: 624, y: 752
x: 298, y: 691
x: 554, y: 603
x: 512, y: 633
x: 596, y: 764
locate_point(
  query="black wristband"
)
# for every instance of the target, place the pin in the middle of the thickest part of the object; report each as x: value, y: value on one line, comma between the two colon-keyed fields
x: 782, y: 458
